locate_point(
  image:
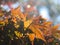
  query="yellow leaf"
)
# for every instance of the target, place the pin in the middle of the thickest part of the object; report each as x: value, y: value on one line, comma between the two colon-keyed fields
x: 37, y: 32
x: 31, y: 37
x: 27, y: 23
x: 17, y: 13
x: 18, y: 34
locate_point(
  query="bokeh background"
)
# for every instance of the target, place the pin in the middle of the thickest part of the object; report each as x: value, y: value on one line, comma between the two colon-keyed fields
x: 49, y: 9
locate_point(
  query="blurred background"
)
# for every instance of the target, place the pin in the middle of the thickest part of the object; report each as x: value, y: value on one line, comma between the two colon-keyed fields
x: 49, y: 9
